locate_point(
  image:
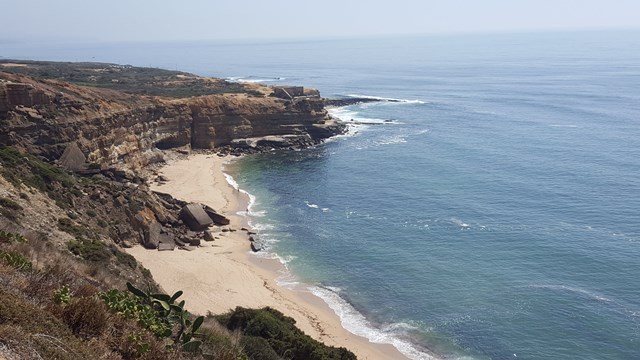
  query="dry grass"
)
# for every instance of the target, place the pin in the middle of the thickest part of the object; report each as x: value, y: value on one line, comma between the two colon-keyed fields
x: 220, y: 343
x: 87, y: 317
x: 34, y: 326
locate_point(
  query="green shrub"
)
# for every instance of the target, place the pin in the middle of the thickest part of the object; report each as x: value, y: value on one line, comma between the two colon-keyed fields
x: 62, y: 295
x: 9, y: 209
x: 67, y: 225
x: 62, y: 204
x: 126, y: 259
x: 16, y: 260
x: 168, y: 309
x: 90, y: 250
x: 9, y: 204
x: 130, y: 307
x: 257, y: 348
x: 280, y: 332
x: 138, y: 343
x: 12, y: 238
x: 19, y: 168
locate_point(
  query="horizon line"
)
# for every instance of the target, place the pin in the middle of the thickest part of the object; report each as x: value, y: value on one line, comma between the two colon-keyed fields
x: 276, y: 39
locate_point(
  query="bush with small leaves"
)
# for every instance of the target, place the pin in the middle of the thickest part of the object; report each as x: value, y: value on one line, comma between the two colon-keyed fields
x: 129, y: 307
x: 90, y: 250
x: 16, y: 260
x: 62, y: 296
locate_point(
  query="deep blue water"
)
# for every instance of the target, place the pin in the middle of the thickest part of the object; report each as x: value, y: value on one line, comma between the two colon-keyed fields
x: 496, y: 216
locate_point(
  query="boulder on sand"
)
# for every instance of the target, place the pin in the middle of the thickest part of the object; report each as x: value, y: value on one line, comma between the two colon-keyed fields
x: 166, y: 246
x: 195, y: 217
x: 256, y: 246
x: 152, y: 235
x: 217, y: 218
x: 256, y: 243
x: 209, y: 235
x: 150, y: 229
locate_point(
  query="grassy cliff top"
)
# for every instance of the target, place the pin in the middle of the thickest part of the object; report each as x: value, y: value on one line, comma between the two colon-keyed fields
x: 126, y: 78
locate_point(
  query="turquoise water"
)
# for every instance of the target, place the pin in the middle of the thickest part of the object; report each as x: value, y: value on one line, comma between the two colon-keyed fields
x: 492, y: 214
x: 495, y: 217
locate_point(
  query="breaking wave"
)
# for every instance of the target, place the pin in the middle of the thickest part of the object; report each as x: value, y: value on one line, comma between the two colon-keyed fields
x: 353, y: 117
x: 387, y: 99
x: 253, y: 79
x: 356, y: 323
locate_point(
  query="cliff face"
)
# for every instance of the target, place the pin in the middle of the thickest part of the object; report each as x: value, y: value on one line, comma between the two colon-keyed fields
x: 245, y: 121
x: 44, y: 116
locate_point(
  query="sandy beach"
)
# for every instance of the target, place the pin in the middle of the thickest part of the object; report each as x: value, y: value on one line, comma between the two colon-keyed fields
x: 224, y: 274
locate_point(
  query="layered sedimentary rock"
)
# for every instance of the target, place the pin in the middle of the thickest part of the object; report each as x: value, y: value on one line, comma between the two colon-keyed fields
x: 111, y: 127
x: 239, y: 119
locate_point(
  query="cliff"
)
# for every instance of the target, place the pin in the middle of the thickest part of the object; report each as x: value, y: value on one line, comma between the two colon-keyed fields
x: 43, y: 116
x: 116, y: 133
x: 62, y: 266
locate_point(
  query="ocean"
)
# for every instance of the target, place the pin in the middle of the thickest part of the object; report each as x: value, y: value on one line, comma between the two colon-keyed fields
x: 491, y: 212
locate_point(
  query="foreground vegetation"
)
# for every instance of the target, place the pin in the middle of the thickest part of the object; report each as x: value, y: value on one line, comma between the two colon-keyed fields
x: 52, y: 313
x: 73, y: 293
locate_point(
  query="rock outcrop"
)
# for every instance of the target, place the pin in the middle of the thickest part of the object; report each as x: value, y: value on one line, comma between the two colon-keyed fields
x: 112, y: 134
x: 112, y: 127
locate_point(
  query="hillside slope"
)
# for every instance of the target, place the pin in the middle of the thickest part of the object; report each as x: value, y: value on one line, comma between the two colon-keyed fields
x: 65, y: 283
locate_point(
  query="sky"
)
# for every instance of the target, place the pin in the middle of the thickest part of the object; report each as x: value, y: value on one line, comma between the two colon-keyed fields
x: 184, y: 20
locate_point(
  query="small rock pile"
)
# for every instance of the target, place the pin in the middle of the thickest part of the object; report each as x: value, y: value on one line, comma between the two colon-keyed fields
x: 195, y: 223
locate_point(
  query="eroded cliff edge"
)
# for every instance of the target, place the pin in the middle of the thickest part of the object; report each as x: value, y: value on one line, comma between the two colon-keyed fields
x: 113, y: 126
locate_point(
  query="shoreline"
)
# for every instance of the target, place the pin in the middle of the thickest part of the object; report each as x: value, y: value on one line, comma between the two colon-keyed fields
x: 224, y: 274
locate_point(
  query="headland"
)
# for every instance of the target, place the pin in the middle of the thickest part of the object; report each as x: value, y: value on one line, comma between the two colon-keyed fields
x: 127, y: 160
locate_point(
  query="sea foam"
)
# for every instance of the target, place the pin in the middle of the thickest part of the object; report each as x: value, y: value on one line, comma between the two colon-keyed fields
x: 387, y: 99
x: 575, y: 290
x: 351, y: 116
x: 352, y: 320
x: 253, y: 79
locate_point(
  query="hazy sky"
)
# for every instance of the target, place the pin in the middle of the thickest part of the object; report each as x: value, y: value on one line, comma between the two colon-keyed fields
x: 117, y: 20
